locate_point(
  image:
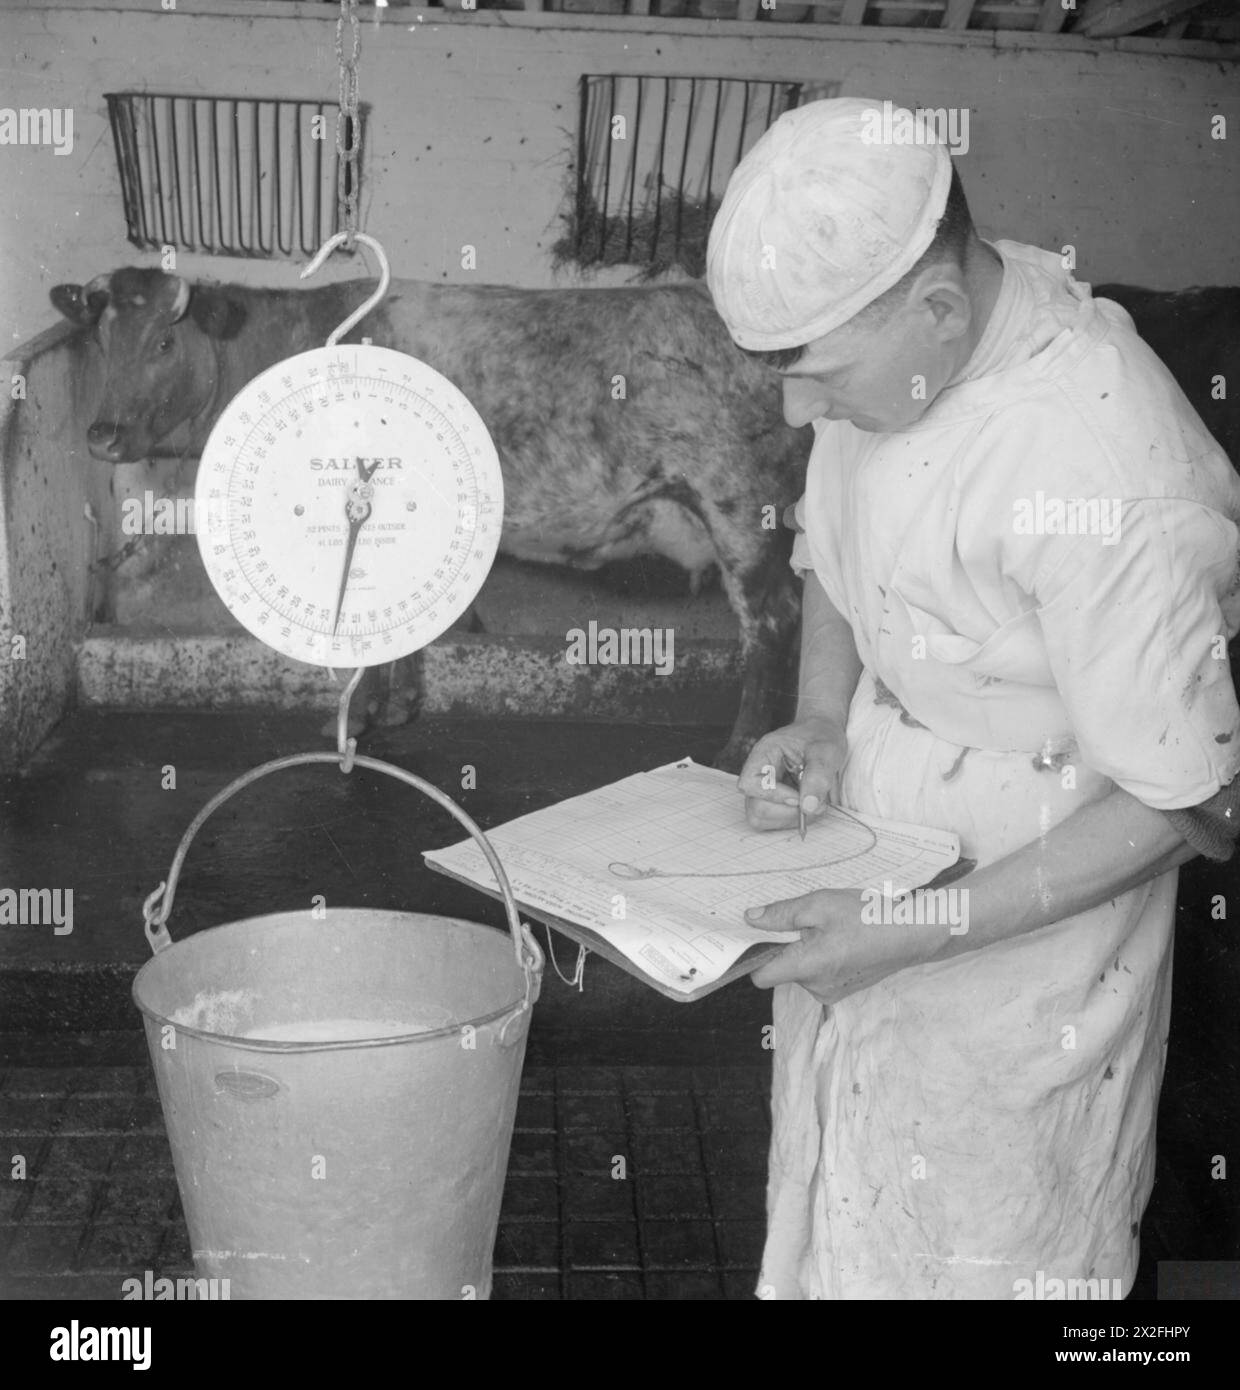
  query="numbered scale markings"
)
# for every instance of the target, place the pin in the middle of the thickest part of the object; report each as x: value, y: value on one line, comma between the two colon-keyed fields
x: 349, y: 505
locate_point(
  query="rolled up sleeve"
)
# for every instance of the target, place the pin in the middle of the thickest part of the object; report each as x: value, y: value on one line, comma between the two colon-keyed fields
x: 1213, y: 827
x: 1136, y: 640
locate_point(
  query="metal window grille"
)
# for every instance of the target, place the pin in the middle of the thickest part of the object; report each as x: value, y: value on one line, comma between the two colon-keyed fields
x: 231, y: 176
x: 654, y: 155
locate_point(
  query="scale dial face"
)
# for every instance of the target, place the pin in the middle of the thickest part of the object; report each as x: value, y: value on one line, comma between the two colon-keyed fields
x: 348, y: 505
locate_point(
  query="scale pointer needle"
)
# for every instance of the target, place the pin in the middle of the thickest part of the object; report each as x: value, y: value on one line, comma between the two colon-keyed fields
x: 357, y: 505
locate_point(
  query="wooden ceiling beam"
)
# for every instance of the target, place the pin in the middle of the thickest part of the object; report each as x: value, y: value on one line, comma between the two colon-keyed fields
x: 1112, y: 19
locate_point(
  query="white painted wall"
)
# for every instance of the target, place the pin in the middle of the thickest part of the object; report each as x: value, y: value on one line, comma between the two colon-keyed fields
x: 474, y: 115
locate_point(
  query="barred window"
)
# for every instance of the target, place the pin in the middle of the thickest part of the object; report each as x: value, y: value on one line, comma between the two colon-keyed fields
x: 654, y: 155
x: 231, y: 176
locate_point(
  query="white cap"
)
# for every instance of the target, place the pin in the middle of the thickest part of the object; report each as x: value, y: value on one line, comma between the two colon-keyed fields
x: 823, y: 215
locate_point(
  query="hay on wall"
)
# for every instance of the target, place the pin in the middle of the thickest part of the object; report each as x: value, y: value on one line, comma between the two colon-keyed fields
x: 654, y: 244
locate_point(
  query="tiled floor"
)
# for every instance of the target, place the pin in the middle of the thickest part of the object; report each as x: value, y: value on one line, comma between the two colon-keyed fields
x: 98, y: 1200
x: 635, y: 1182
x: 624, y: 1182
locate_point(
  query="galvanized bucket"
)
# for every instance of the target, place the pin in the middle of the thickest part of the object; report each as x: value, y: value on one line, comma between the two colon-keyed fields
x: 339, y: 1166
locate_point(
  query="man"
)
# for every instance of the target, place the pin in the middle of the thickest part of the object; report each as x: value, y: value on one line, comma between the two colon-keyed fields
x: 1019, y: 547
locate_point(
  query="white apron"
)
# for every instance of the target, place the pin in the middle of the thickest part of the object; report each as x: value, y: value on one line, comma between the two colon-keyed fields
x: 963, y: 1126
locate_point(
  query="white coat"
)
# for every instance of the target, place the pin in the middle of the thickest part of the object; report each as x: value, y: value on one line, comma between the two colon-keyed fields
x: 963, y: 1126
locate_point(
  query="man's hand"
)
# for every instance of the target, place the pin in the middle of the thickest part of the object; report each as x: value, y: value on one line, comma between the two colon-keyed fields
x: 1101, y: 850
x: 838, y: 953
x: 818, y: 746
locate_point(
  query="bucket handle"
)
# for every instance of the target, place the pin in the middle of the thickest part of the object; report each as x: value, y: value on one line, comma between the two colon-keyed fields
x: 158, y: 906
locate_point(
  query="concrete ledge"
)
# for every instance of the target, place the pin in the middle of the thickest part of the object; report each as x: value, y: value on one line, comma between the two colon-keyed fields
x: 482, y: 675
x: 615, y: 1021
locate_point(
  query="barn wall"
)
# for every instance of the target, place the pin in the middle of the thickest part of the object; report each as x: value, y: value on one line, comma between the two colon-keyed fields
x: 471, y: 134
x: 47, y: 542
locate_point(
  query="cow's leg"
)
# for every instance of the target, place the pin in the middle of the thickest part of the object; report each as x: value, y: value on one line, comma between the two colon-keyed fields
x: 399, y: 695
x: 368, y: 705
x: 764, y: 595
x: 390, y: 696
x: 768, y: 660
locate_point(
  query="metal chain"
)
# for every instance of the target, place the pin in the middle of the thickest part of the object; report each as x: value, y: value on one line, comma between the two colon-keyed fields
x: 347, y: 119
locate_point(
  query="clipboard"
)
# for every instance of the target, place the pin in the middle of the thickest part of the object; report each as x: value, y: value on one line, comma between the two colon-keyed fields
x: 756, y: 956
x: 655, y: 871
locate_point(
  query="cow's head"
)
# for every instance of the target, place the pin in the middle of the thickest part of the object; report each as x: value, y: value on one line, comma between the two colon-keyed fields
x: 158, y: 335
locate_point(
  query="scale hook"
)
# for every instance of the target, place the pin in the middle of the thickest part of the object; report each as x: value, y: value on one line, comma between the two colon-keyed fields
x: 346, y: 746
x: 385, y: 279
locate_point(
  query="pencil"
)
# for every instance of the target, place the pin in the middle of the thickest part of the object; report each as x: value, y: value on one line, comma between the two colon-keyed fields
x: 800, y: 806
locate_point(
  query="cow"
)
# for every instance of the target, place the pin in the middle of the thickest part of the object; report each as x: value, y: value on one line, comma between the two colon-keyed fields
x: 626, y: 421
x: 1197, y: 334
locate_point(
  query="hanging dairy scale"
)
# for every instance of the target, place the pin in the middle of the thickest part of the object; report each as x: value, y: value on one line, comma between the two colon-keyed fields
x: 339, y: 1088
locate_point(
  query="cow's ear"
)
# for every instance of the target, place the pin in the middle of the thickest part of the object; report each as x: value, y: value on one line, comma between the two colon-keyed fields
x: 80, y: 305
x: 216, y: 314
